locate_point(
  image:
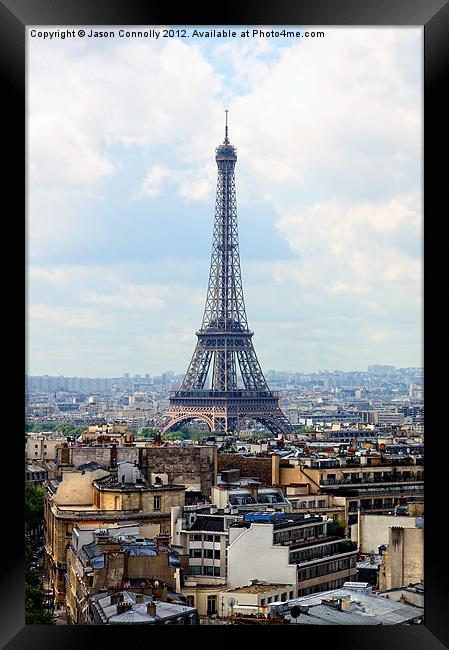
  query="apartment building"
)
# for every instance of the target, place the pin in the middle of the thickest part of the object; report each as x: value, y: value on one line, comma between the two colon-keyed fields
x: 304, y: 551
x: 93, y: 494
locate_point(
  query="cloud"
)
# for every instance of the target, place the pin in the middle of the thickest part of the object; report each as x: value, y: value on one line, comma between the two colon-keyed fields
x: 154, y: 181
x: 121, y: 138
x: 129, y: 297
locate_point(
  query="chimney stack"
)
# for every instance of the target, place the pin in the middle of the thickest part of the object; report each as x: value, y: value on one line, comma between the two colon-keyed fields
x: 151, y: 609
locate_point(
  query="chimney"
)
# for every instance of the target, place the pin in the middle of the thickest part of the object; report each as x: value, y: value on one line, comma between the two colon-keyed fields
x: 345, y: 603
x: 139, y: 598
x: 372, y: 559
x: 151, y: 609
x: 123, y: 607
x: 114, y: 456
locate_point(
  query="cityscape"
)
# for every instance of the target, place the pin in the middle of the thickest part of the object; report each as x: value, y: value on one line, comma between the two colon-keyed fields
x: 334, y: 494
x: 223, y: 492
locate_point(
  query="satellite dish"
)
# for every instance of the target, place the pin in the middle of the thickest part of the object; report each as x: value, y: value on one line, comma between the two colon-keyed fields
x: 231, y: 602
x: 295, y: 611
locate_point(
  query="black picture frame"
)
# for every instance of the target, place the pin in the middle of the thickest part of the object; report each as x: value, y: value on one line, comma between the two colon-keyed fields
x: 433, y: 16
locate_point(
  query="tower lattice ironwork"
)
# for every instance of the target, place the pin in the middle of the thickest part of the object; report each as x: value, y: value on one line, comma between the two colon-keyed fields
x: 224, y: 340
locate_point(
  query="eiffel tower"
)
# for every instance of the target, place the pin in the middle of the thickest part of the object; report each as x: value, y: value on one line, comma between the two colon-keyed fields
x: 224, y: 339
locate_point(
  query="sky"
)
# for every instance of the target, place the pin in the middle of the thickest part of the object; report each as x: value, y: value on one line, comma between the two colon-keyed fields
x: 121, y: 176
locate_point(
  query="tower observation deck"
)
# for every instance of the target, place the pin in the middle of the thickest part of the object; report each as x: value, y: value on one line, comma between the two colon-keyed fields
x: 224, y: 344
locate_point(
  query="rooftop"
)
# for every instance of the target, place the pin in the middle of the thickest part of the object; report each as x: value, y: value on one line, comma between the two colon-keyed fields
x: 260, y: 587
x: 137, y: 612
x: 364, y: 609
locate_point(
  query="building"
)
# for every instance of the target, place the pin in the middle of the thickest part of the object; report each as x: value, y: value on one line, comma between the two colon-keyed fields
x: 372, y: 530
x: 119, y: 557
x: 252, y: 598
x: 303, y: 551
x: 35, y: 474
x: 112, y: 432
x: 128, y: 607
x: 368, y: 567
x: 43, y: 446
x: 413, y: 594
x: 353, y: 604
x: 231, y: 490
x: 93, y: 494
x: 403, y: 560
x: 369, y: 482
x: 195, y: 467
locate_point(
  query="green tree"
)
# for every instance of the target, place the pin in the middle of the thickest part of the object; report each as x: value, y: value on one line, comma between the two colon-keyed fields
x: 228, y: 447
x: 70, y: 430
x: 338, y: 526
x: 34, y: 508
x: 199, y: 435
x: 149, y: 433
x: 35, y: 609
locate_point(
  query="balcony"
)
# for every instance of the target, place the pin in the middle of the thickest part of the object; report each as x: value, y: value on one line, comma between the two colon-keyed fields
x: 344, y: 546
x: 390, y: 478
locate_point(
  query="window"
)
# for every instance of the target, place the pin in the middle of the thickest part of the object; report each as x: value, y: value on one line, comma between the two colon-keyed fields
x: 195, y: 552
x: 217, y: 554
x: 208, y: 570
x: 321, y: 503
x: 194, y: 570
x: 35, y: 446
x: 216, y: 538
x: 216, y: 570
x: 262, y: 602
x: 45, y: 446
x: 196, y: 538
x: 290, y: 595
x: 208, y: 553
x: 211, y: 605
x: 208, y: 538
x: 190, y: 601
x: 157, y: 502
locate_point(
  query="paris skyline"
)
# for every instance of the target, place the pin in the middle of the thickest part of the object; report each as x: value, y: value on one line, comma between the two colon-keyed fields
x: 121, y: 199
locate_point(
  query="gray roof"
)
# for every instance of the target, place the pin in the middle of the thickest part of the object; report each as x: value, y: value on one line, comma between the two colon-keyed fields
x: 138, y: 612
x: 330, y: 615
x: 365, y: 609
x: 366, y: 564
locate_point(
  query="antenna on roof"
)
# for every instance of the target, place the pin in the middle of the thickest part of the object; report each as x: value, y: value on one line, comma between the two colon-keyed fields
x: 226, y: 140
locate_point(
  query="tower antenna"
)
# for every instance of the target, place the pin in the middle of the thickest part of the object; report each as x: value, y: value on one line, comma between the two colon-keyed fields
x: 226, y: 140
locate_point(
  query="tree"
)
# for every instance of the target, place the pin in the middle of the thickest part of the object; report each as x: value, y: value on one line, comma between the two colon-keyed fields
x: 34, y: 508
x: 199, y: 435
x: 70, y: 430
x: 228, y: 447
x: 338, y: 526
x: 35, y: 609
x: 149, y: 433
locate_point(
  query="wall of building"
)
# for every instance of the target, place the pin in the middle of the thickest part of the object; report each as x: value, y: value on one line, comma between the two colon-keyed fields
x: 76, y: 487
x: 200, y: 589
x: 141, y: 500
x: 258, y: 468
x: 77, y: 456
x: 183, y: 465
x: 373, y: 530
x: 41, y: 448
x: 258, y: 599
x: 252, y: 555
x: 403, y: 561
